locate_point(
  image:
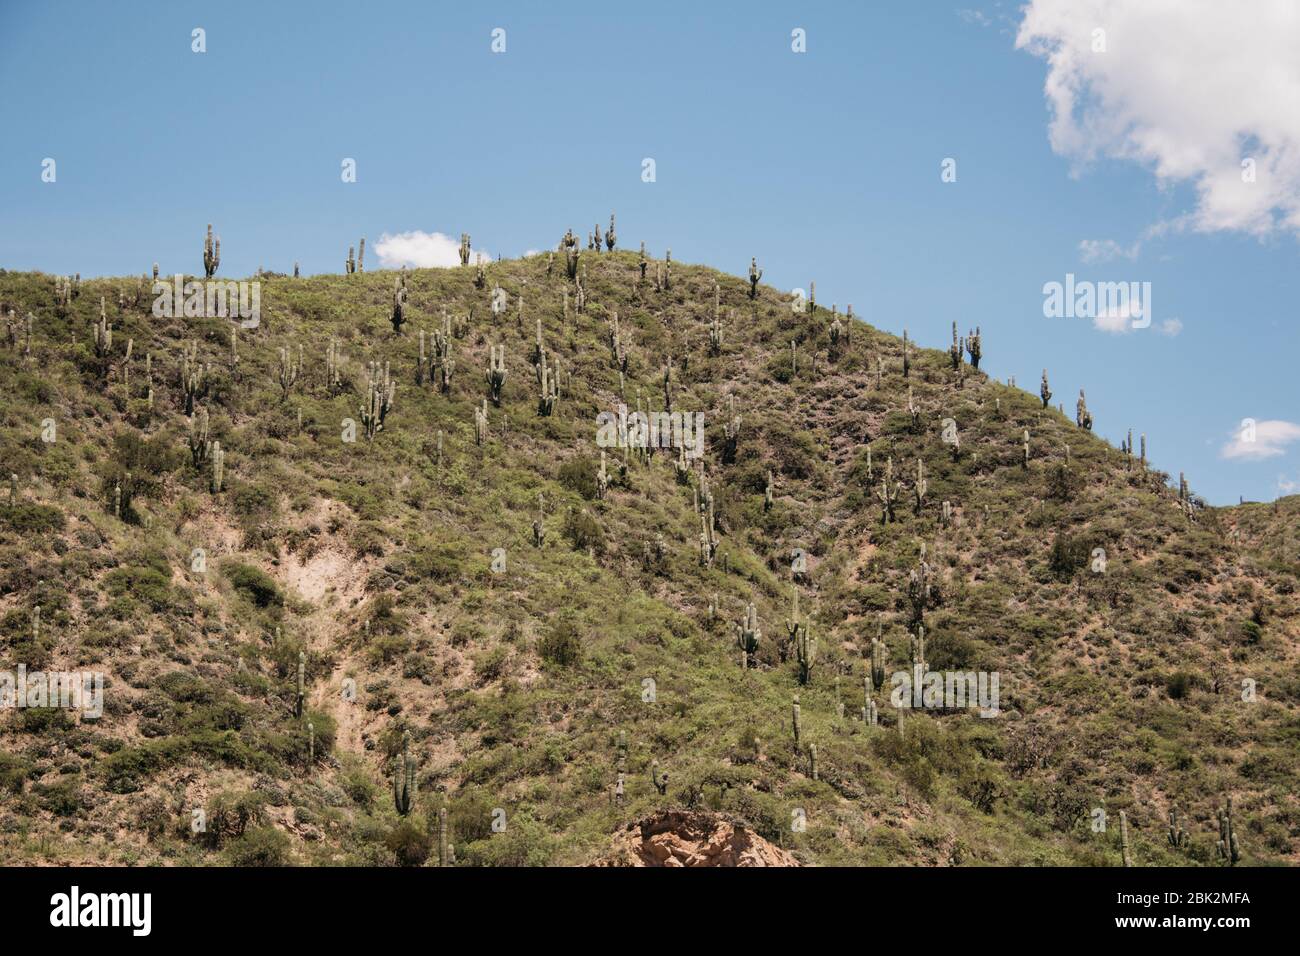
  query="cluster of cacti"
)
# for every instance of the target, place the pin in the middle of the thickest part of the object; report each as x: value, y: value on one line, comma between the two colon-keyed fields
x: 1227, y: 847
x: 748, y: 635
x: 1081, y: 414
x: 1178, y: 837
x: 755, y: 275
x: 103, y: 333
x: 380, y: 392
x: 444, y: 365
x: 357, y: 264
x: 290, y: 370
x: 66, y: 288
x: 657, y: 779
x: 973, y: 347
x: 404, y: 780
x: 399, y: 303
x: 200, y: 447
x: 549, y: 384
x: 920, y: 590
x: 211, y: 254
x: 496, y: 372
x: 464, y: 248
x: 888, y: 493
x: 218, y: 467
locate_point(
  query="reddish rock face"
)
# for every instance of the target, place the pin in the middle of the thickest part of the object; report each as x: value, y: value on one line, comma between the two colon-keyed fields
x: 686, y: 838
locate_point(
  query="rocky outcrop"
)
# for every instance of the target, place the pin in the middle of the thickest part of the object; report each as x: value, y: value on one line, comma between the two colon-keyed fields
x: 689, y: 838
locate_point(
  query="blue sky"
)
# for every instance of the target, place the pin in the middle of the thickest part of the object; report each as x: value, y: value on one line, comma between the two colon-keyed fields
x: 824, y: 164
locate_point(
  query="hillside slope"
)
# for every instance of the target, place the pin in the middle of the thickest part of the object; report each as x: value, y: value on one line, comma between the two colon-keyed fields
x: 526, y: 677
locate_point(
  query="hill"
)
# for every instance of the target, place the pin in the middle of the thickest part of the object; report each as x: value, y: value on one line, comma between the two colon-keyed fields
x: 489, y: 627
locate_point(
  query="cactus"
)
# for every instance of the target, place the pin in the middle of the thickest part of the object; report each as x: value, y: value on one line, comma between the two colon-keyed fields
x: 602, y: 478
x: 218, y: 467
x: 955, y: 350
x: 480, y: 274
x: 1227, y: 846
x: 836, y: 330
x: 805, y: 652
x: 380, y: 392
x: 311, y: 743
x: 361, y: 256
x: 444, y: 365
x: 539, y: 530
x: 496, y: 372
x: 973, y: 347
x: 767, y: 492
x: 792, y: 625
x: 399, y: 303
x: 795, y: 726
x: 708, y: 540
x: 644, y: 262
x: 918, y: 650
x: 755, y: 274
x: 921, y: 488
x: 609, y: 236
x: 404, y: 779
x: 1125, y: 849
x: 301, y: 699
x: 211, y: 254
x: 334, y: 367
x: 446, y: 854
x: 550, y: 388
x: 659, y: 780
x: 920, y: 590
x: 888, y: 493
x: 464, y: 248
x: 907, y: 356
x: 571, y: 262
x: 1044, y: 390
x: 748, y: 635
x: 730, y: 432
x: 1081, y: 414
x: 103, y: 333
x: 668, y: 269
x: 668, y: 385
x: 197, y: 437
x: 715, y: 333
x: 1024, y: 462
x: 1178, y: 838
x: 289, y: 371
x: 812, y: 761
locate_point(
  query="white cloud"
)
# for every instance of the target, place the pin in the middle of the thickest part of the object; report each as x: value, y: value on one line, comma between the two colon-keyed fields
x: 421, y: 250
x: 1118, y: 319
x: 1104, y: 250
x: 1270, y: 440
x: 1171, y: 327
x: 1189, y: 89
x: 1286, y: 486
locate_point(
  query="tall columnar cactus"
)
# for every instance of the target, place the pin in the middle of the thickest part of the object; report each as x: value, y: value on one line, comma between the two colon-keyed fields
x: 103, y: 333
x: 444, y: 364
x: 571, y: 262
x: 795, y: 725
x: 921, y: 488
x: 334, y: 365
x: 805, y: 652
x: 708, y: 539
x: 836, y: 330
x: 1227, y: 846
x: 907, y: 355
x: 1125, y: 850
x: 193, y: 375
x: 668, y: 269
x: 920, y: 590
x: 380, y: 392
x: 496, y: 372
x: 290, y: 370
x: 1081, y: 414
x: 954, y: 350
x: 36, y: 624
x: 311, y: 743
x: 404, y: 779
x: 350, y: 265
x: 481, y: 424
x: 218, y: 467
x: 888, y: 493
x: 812, y: 761
x: 768, y: 492
x: 539, y: 528
x: 300, y: 700
x: 464, y: 248
x: 399, y: 303
x: 659, y: 780
x: 211, y: 254
x: 870, y: 716
x: 878, y: 655
x: 792, y: 624
x: 668, y: 385
x: 446, y: 854
x: 748, y: 635
x: 1044, y: 390
x: 755, y: 275
x: 918, y: 650
x: 1024, y: 461
x: 715, y: 334
x: 973, y: 347
x: 550, y: 388
x: 602, y: 478
x: 361, y: 255
x: 13, y: 489
x: 197, y: 429
x: 610, y: 238
x: 731, y: 432
x: 643, y: 262
x: 1178, y: 838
